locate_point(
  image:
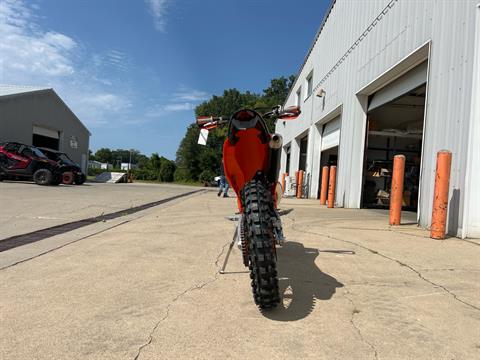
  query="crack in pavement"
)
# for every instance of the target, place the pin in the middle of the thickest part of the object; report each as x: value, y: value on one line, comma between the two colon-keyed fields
x: 357, y: 329
x: 169, y: 305
x: 411, y: 268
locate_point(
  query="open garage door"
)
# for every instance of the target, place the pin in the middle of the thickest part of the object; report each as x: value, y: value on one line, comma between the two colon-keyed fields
x: 411, y: 80
x: 329, y: 147
x: 395, y: 126
x: 44, y: 137
x: 331, y: 134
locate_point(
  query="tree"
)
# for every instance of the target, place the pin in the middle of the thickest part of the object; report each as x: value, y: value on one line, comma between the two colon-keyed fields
x: 277, y: 92
x: 187, y: 161
x: 196, y: 161
x: 104, y: 155
x: 167, y: 171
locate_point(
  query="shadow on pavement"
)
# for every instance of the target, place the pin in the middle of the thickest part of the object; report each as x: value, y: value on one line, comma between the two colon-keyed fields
x: 301, y: 282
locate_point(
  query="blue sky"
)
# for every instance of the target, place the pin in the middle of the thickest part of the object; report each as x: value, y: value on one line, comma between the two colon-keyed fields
x: 133, y: 70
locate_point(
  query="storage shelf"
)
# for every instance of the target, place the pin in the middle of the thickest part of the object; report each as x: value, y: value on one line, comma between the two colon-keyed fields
x: 394, y: 150
x: 392, y: 134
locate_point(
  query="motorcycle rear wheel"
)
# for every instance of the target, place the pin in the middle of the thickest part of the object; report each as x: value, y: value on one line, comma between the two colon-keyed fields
x: 258, y: 207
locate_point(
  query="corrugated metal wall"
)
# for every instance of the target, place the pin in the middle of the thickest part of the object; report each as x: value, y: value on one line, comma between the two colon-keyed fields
x: 20, y: 113
x: 360, y: 41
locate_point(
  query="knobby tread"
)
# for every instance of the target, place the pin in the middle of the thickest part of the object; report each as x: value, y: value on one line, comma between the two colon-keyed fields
x: 257, y: 202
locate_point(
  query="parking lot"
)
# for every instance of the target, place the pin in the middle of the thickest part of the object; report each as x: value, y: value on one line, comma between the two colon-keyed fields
x: 145, y: 284
x: 29, y: 208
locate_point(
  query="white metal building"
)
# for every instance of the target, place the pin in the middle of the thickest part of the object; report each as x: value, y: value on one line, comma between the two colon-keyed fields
x: 386, y: 77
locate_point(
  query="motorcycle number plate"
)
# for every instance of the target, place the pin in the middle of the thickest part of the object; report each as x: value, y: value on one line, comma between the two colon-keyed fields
x: 203, y: 136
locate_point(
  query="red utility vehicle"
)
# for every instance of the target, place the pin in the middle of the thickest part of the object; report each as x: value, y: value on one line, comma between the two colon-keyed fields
x: 27, y: 162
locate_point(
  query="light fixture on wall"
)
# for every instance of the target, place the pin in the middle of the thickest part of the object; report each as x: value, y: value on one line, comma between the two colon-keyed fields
x: 321, y: 93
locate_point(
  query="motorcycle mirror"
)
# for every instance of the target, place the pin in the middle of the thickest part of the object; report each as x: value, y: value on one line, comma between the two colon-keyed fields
x: 290, y: 113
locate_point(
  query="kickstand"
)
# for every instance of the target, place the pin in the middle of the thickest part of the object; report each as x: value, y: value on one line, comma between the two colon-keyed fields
x: 222, y: 270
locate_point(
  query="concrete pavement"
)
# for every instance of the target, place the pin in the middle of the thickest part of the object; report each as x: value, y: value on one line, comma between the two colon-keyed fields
x: 149, y: 288
x: 27, y: 207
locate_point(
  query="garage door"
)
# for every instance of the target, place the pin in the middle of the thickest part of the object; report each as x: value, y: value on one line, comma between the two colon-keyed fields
x: 411, y: 80
x: 331, y: 134
x: 44, y: 137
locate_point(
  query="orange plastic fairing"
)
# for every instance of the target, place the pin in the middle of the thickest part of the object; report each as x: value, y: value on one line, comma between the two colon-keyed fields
x: 243, y: 160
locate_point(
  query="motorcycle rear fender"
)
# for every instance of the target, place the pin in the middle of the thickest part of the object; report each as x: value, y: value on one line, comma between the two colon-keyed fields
x: 243, y: 160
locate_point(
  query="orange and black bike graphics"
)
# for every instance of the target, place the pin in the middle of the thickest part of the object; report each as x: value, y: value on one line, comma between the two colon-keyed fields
x: 251, y: 158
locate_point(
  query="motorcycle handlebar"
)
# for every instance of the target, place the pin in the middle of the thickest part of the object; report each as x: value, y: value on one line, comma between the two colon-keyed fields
x: 210, y: 122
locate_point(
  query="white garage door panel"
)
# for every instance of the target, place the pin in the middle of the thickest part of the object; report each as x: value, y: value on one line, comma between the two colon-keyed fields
x: 331, y: 134
x: 38, y: 130
x: 411, y: 80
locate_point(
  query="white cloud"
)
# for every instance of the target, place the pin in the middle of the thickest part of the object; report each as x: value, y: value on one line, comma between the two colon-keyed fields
x: 108, y: 101
x: 162, y: 110
x: 25, y: 48
x: 179, y: 107
x: 30, y: 55
x: 191, y: 95
x: 184, y: 99
x: 158, y: 10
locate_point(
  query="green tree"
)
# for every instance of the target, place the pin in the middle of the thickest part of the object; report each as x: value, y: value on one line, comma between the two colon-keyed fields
x: 167, y: 171
x: 196, y: 162
x: 277, y: 92
x: 187, y: 160
x: 104, y: 155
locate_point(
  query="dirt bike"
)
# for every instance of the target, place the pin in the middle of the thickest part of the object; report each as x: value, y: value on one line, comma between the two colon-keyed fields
x: 251, y: 158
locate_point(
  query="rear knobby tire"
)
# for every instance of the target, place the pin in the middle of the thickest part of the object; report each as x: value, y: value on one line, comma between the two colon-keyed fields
x: 42, y: 177
x: 258, y: 205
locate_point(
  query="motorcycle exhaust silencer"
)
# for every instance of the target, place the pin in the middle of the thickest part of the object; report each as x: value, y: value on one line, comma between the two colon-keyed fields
x: 276, y: 141
x: 275, y: 144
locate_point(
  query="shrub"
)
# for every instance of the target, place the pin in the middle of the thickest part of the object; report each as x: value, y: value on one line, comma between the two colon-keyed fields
x: 206, y: 177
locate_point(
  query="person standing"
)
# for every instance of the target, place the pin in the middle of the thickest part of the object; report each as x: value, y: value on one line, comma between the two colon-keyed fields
x: 224, y: 186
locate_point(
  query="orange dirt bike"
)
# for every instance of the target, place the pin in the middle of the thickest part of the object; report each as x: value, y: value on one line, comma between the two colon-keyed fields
x: 251, y: 158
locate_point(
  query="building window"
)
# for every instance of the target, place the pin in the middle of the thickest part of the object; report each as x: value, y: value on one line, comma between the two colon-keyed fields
x: 287, y: 165
x: 298, y: 97
x: 310, y: 84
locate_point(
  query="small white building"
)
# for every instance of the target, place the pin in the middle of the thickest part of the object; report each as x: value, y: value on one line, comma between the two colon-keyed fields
x: 93, y: 164
x: 386, y: 77
x: 127, y: 166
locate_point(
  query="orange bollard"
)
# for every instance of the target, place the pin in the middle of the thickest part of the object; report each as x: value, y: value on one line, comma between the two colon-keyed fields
x: 283, y: 181
x: 324, y: 190
x: 300, y: 184
x: 296, y: 182
x: 440, y: 196
x: 396, y: 193
x: 331, y: 186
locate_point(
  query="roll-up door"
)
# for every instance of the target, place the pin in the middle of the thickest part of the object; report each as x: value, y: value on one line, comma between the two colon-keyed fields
x: 44, y: 137
x: 411, y: 80
x: 331, y: 134
x: 38, y: 130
